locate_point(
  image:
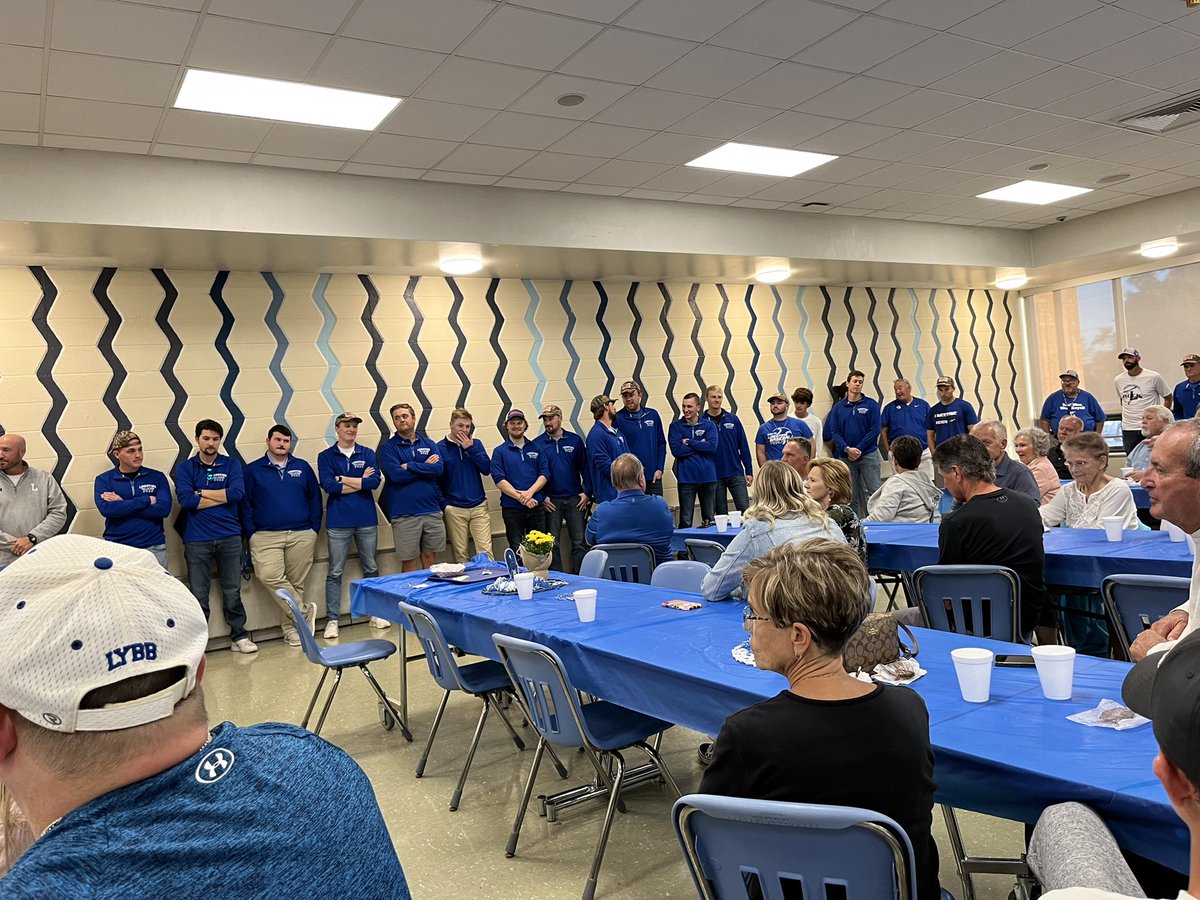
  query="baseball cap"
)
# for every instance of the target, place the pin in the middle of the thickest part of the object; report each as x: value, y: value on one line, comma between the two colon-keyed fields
x: 123, y: 439
x: 1070, y: 373
x: 630, y: 386
x: 76, y: 614
x: 945, y: 381
x: 550, y: 410
x: 1190, y: 358
x: 1129, y: 351
x: 1165, y: 688
x: 778, y: 395
x: 598, y: 403
x: 514, y: 414
x: 346, y: 417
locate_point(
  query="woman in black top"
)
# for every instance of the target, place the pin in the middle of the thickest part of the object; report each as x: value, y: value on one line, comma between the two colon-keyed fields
x: 829, y: 738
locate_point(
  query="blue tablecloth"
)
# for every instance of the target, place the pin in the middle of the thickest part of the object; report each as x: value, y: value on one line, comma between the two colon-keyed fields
x: 708, y: 533
x: 1010, y: 757
x: 1141, y: 496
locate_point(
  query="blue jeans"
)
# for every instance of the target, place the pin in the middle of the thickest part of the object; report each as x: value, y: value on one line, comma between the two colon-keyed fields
x: 736, y: 485
x: 687, y: 502
x: 864, y: 480
x: 228, y: 555
x: 566, y: 509
x: 366, y: 538
x: 160, y: 553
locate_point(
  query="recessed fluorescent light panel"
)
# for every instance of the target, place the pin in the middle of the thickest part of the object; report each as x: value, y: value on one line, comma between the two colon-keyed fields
x: 1038, y: 193
x: 284, y: 101
x: 756, y: 160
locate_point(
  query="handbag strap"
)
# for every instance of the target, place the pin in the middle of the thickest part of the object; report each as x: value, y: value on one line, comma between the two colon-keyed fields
x: 905, y: 651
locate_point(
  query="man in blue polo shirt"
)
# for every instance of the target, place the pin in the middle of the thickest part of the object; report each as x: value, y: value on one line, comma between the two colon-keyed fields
x: 777, y: 430
x: 133, y: 499
x: 643, y: 431
x: 520, y: 469
x: 735, y: 466
x: 633, y: 516
x: 1187, y: 392
x: 348, y: 473
x: 1071, y: 401
x: 694, y: 442
x: 604, y: 444
x: 853, y: 426
x: 949, y: 416
x: 464, y: 463
x: 906, y: 415
x: 568, y: 487
x: 412, y: 497
x: 209, y: 488
x: 282, y: 518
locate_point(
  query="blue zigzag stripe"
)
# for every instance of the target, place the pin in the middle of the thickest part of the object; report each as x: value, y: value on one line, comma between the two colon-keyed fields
x: 414, y: 346
x: 758, y: 387
x: 1012, y: 366
x: 573, y: 369
x: 605, y: 338
x: 281, y: 346
x: 895, y: 332
x: 975, y: 355
x: 535, y: 351
x: 461, y: 347
x: 825, y: 312
x: 167, y: 369
x: 957, y: 336
x: 501, y: 359
x: 991, y: 308
x: 232, y: 370
x: 45, y: 373
x: 920, y: 357
x: 875, y: 339
x: 850, y: 329
x: 697, y: 318
x: 803, y: 333
x: 371, y: 364
x: 664, y: 320
x: 937, y: 341
x: 729, y: 394
x: 111, y: 394
x: 332, y: 366
x: 633, y: 336
x: 783, y: 369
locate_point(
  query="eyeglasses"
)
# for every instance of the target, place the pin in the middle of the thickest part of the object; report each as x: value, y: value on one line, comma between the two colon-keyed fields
x: 748, y: 617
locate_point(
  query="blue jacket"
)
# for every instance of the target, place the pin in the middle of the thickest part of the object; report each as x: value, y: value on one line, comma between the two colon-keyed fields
x: 643, y: 431
x: 216, y: 522
x: 1187, y: 399
x: 462, y: 471
x: 733, y: 457
x: 697, y: 458
x: 1084, y: 405
x: 413, y: 491
x: 604, y: 444
x: 633, y: 517
x: 567, y: 460
x: 520, y: 467
x: 281, y: 499
x: 906, y: 419
x: 134, y: 520
x: 948, y: 419
x: 356, y: 509
x: 853, y: 425
x: 773, y: 435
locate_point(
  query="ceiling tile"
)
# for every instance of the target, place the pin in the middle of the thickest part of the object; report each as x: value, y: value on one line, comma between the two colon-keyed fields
x: 20, y: 112
x: 785, y: 85
x: 782, y: 28
x: 903, y: 145
x: 853, y: 98
x: 480, y: 160
x: 649, y: 108
x: 592, y: 10
x: 1015, y: 130
x: 24, y: 22
x: 751, y: 203
x: 938, y: 180
x: 644, y: 194
x: 21, y: 69
x: 520, y: 130
x: 711, y: 71
x: 1112, y: 139
x: 1010, y: 22
x: 707, y: 199
x: 684, y: 179
x: 401, y: 150
x: 227, y: 45
x: 296, y: 162
x: 675, y: 149
x: 1172, y: 74
x: 474, y: 82
x: 98, y: 119
x: 720, y: 119
x: 1087, y: 34
x: 862, y: 44
x: 741, y: 185
x: 1159, y: 10
x: 1126, y: 56
x: 938, y: 57
x: 601, y: 190
x: 104, y: 145
x: 892, y: 175
x: 846, y: 168
x: 1110, y: 95
x: 109, y: 78
x: 208, y: 153
x: 789, y: 129
x: 558, y: 166
x: 1065, y: 136
x: 970, y: 118
x: 311, y: 15
x: 186, y: 127
x: 120, y: 29
x: 602, y: 140
x: 1004, y: 160
x: 1048, y: 87
x: 837, y: 194
x: 381, y: 171
x: 526, y: 38
x: 625, y: 56
x: 624, y: 172
x: 937, y: 14
x: 438, y: 25
x: 542, y: 99
x: 685, y: 19
x: 459, y: 177
x: 313, y: 142
x: 994, y: 74
x: 430, y: 119
x: 947, y: 153
x: 849, y: 137
x: 915, y: 108
x: 791, y: 190
x: 379, y: 68
x: 531, y: 184
x: 189, y: 5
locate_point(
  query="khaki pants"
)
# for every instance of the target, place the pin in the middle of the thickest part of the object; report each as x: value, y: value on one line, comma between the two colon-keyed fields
x: 282, y: 560
x: 475, y: 520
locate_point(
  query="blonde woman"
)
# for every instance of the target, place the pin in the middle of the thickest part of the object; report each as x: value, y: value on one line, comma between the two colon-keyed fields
x: 779, y: 514
x: 1032, y: 445
x: 829, y: 484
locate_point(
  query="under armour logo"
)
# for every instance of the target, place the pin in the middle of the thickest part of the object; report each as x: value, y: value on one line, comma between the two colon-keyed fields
x: 215, y: 765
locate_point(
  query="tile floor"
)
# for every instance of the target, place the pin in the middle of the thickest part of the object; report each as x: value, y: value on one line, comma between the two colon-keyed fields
x: 461, y: 854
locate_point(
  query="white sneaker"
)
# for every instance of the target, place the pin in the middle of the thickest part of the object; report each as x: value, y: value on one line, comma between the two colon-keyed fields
x: 310, y: 617
x: 244, y: 645
x: 291, y: 637
x: 331, y: 630
x: 377, y: 622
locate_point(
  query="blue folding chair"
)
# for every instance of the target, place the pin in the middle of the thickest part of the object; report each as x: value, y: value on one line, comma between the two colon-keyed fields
x: 707, y: 552
x: 679, y: 575
x: 981, y: 601
x: 338, y: 658
x: 733, y: 844
x: 601, y: 728
x: 485, y: 680
x: 1135, y: 602
x: 628, y: 562
x: 593, y: 563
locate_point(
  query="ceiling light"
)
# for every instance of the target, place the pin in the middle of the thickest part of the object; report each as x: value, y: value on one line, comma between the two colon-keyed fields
x: 1159, y: 249
x: 1036, y: 192
x: 1012, y: 281
x: 757, y: 160
x: 461, y: 265
x: 284, y: 101
x: 772, y: 271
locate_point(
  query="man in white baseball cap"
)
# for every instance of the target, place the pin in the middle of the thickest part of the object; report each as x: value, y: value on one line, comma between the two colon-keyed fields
x: 105, y: 745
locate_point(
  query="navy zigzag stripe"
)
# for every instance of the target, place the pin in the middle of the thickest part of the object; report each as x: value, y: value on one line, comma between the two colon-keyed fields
x: 895, y: 331
x: 665, y: 321
x: 167, y: 370
x: 850, y: 328
x: 573, y: 369
x: 605, y: 338
x: 105, y: 345
x: 758, y: 387
x: 414, y: 346
x: 281, y: 346
x: 975, y: 354
x: 461, y: 347
x: 995, y: 381
x: 937, y: 341
x: 502, y: 360
x: 725, y: 348
x: 371, y: 364
x: 825, y: 312
x: 633, y: 335
x: 1012, y: 366
x: 232, y: 370
x: 783, y: 369
x: 874, y: 340
x: 958, y: 362
x: 697, y: 318
x: 45, y: 373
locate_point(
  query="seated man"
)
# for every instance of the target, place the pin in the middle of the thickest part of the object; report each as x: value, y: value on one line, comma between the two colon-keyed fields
x: 909, y: 495
x: 633, y: 517
x: 105, y: 745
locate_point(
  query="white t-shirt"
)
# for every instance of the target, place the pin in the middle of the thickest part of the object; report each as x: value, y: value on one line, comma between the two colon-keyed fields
x: 814, y: 422
x: 1137, y: 393
x: 1077, y: 893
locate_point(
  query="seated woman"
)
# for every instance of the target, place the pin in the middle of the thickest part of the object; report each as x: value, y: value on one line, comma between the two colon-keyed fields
x: 1032, y: 445
x: 909, y: 495
x: 1093, y: 495
x: 829, y: 484
x: 779, y: 514
x: 1154, y: 420
x: 828, y: 738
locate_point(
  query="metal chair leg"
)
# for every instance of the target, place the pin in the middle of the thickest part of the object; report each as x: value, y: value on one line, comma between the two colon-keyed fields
x: 401, y: 715
x: 656, y: 758
x: 337, y: 680
x: 313, y: 701
x: 511, y: 849
x: 960, y: 853
x: 437, y: 720
x: 589, y: 888
x: 516, y: 738
x: 462, y: 779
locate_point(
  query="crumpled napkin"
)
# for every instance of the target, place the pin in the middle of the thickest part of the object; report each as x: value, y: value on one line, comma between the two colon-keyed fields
x: 1093, y: 717
x: 902, y: 671
x: 743, y: 654
x: 505, y: 585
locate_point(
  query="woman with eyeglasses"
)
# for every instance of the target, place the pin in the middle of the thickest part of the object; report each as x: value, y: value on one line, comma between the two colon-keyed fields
x: 1092, y: 495
x: 828, y: 738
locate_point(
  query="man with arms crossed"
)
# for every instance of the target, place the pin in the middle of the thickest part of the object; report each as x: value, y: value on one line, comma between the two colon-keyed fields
x: 412, y: 499
x: 105, y: 744
x: 133, y: 499
x: 643, y: 431
x: 464, y: 463
x: 568, y: 487
x: 906, y: 415
x: 694, y: 444
x: 348, y: 473
x: 735, y: 468
x: 853, y: 426
x: 604, y: 444
x: 1138, y: 389
x: 1071, y: 401
x: 32, y: 505
x: 1187, y: 393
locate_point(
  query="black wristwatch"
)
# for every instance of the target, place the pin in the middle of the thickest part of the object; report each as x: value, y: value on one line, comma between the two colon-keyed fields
x: 31, y: 537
